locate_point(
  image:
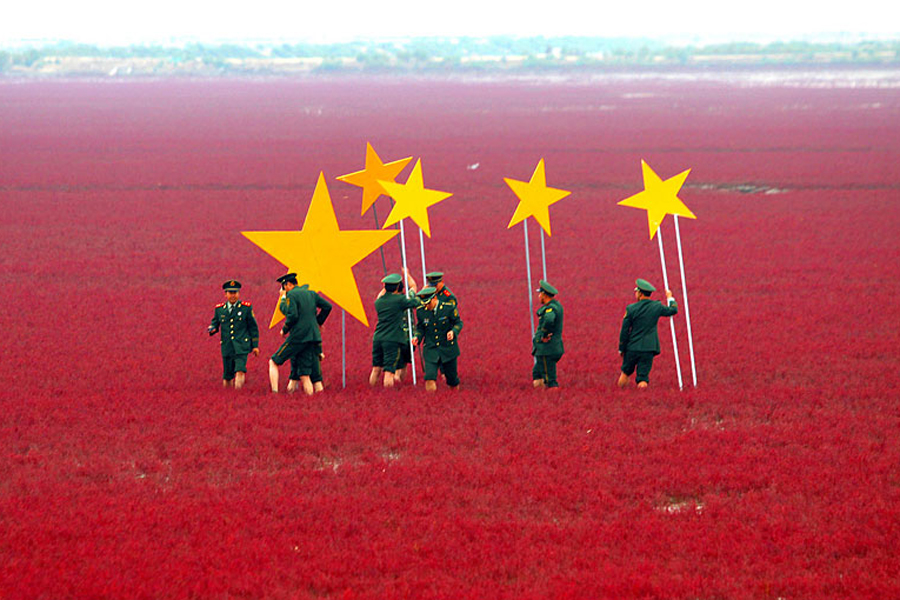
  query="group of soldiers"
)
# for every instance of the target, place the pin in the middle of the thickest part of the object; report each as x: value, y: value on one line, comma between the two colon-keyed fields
x: 435, y: 329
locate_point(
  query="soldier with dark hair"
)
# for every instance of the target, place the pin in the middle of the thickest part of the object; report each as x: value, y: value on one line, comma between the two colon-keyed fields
x: 240, y: 334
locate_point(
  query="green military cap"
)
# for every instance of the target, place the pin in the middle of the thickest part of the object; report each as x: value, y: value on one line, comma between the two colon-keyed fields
x: 231, y: 286
x: 427, y: 293
x: 644, y: 285
x: 287, y: 278
x: 548, y: 289
x: 393, y: 278
x: 434, y: 276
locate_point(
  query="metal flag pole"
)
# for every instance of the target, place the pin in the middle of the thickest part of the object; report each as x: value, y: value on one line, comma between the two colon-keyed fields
x: 687, y: 310
x: 662, y: 260
x: 377, y: 226
x: 412, y: 353
x: 528, y: 274
x: 543, y: 255
x: 422, y: 248
x: 343, y: 348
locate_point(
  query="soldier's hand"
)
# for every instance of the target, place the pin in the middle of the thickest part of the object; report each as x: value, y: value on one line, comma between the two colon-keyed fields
x: 546, y: 338
x: 256, y: 352
x: 321, y: 356
x: 211, y: 330
x: 668, y: 293
x: 415, y: 341
x: 450, y: 336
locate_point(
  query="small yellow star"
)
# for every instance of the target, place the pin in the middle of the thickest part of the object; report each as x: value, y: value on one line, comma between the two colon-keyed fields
x: 369, y: 177
x: 535, y: 198
x: 321, y: 254
x: 412, y: 199
x: 659, y: 198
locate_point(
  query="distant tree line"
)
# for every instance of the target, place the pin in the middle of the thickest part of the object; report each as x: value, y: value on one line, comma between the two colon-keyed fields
x: 440, y: 52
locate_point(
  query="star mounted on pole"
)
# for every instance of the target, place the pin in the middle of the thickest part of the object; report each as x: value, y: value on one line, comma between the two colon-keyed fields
x: 659, y: 198
x: 535, y: 198
x: 412, y: 199
x: 322, y: 254
x: 374, y: 172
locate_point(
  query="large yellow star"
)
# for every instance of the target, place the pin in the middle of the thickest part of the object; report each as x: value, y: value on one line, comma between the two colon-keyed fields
x: 659, y: 198
x: 321, y: 254
x: 369, y: 177
x: 412, y: 199
x: 535, y: 198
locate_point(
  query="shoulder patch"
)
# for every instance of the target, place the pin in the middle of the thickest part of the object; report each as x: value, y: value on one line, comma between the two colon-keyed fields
x: 625, y: 315
x: 220, y: 305
x: 549, y: 310
x: 245, y: 303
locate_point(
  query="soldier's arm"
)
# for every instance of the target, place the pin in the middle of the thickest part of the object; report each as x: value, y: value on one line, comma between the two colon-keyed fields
x: 214, y: 324
x: 420, y: 327
x: 548, y: 319
x: 324, y: 307
x: 670, y: 307
x: 253, y: 329
x: 623, y: 335
x: 411, y: 301
x: 456, y: 320
x: 291, y: 316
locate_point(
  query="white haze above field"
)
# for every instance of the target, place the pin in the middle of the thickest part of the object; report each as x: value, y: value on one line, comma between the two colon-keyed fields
x: 113, y: 22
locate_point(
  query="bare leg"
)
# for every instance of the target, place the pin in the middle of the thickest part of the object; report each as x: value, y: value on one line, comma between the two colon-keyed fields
x: 225, y: 383
x: 318, y: 386
x: 292, y: 385
x: 623, y: 380
x: 307, y: 384
x: 643, y: 385
x: 273, y: 375
x: 239, y: 379
x: 398, y: 374
x: 388, y: 379
x: 374, y: 376
x: 537, y: 383
x: 431, y: 386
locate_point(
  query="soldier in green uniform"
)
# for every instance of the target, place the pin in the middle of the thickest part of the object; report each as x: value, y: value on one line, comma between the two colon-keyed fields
x: 437, y: 330
x: 240, y: 334
x: 639, y: 340
x: 547, y: 345
x: 387, y: 342
x: 436, y: 279
x: 304, y: 311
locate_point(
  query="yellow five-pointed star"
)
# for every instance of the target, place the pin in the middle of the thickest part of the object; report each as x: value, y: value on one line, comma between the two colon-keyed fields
x: 659, y: 198
x: 412, y: 199
x: 321, y: 254
x: 374, y: 172
x: 535, y: 198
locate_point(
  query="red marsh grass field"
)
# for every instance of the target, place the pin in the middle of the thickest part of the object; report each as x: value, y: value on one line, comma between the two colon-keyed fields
x: 126, y: 471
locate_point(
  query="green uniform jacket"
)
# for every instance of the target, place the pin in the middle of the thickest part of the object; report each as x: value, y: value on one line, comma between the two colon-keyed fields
x: 304, y: 311
x: 391, y: 310
x: 639, y: 325
x: 432, y: 327
x: 550, y: 322
x: 240, y: 333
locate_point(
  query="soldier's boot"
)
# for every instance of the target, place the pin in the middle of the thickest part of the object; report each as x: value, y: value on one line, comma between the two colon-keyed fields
x: 292, y: 385
x: 623, y: 380
x: 239, y: 379
x: 643, y: 385
x: 538, y: 383
x: 431, y: 386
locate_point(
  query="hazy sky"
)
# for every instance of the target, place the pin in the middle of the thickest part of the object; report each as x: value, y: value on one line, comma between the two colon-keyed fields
x: 139, y: 21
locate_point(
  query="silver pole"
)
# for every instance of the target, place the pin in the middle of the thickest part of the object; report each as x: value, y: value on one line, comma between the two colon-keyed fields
x: 687, y: 310
x: 412, y: 354
x: 662, y: 260
x: 528, y: 274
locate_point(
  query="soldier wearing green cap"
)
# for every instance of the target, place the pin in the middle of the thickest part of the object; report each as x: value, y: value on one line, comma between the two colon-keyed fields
x: 639, y: 340
x: 392, y: 306
x: 240, y: 334
x: 547, y: 345
x: 304, y: 313
x: 437, y: 330
x: 436, y: 280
